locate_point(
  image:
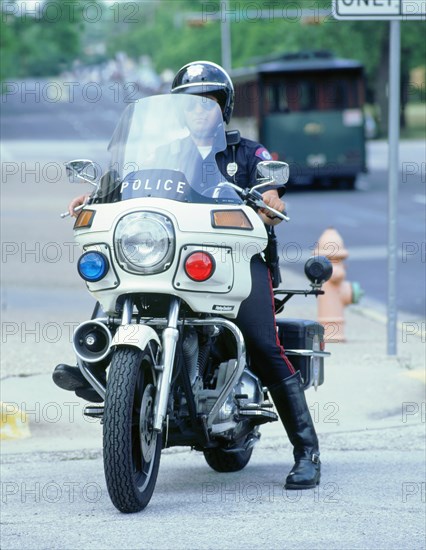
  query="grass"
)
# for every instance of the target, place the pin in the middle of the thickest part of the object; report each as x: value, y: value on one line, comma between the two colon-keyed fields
x: 415, y: 115
x: 416, y: 122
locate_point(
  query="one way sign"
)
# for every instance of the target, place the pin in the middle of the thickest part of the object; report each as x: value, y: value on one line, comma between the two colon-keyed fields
x: 405, y: 10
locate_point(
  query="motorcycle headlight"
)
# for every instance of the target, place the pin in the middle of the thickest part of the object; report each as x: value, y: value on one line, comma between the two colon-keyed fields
x: 144, y: 242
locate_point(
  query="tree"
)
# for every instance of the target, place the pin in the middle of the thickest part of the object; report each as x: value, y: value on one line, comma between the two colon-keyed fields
x: 41, y: 44
x: 170, y: 45
x: 7, y: 50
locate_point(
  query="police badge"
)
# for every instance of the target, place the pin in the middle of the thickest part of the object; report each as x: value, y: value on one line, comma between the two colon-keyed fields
x: 232, y: 169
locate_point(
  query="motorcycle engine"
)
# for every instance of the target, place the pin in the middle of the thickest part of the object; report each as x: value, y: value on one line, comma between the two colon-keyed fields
x: 245, y: 394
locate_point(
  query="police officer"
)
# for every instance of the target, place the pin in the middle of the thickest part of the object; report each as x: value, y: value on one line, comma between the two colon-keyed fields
x: 256, y: 317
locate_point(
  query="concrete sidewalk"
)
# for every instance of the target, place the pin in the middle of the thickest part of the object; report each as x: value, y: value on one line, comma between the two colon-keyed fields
x: 364, y: 392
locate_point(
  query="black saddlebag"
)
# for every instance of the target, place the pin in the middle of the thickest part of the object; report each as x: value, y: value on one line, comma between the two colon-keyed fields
x: 301, y: 337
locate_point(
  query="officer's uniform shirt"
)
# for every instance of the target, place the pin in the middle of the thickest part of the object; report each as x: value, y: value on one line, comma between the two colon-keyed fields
x: 248, y: 154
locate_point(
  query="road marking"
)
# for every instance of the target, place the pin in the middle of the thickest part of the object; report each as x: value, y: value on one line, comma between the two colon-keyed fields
x: 350, y: 222
x: 417, y: 375
x: 14, y: 422
x: 358, y: 253
x: 363, y: 184
x: 382, y: 318
x: 5, y: 154
x: 420, y: 199
x: 373, y: 252
x: 411, y: 151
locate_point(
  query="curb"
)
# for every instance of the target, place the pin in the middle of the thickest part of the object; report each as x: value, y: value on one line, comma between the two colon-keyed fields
x: 14, y: 422
x: 381, y: 318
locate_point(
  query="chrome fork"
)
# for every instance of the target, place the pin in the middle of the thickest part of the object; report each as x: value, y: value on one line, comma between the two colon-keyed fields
x: 169, y: 341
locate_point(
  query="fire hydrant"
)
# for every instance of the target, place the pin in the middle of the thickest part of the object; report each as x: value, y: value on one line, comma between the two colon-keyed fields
x: 338, y: 292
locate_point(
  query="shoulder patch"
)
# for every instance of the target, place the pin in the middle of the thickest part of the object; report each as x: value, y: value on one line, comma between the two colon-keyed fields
x: 263, y: 153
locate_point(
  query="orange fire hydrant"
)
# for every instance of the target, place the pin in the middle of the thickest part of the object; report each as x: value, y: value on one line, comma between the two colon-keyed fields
x: 338, y: 292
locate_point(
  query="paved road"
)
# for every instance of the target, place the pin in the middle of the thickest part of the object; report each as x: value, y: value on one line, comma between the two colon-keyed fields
x: 361, y: 219
x: 43, y: 109
x: 65, y: 505
x: 53, y: 492
x: 370, y: 418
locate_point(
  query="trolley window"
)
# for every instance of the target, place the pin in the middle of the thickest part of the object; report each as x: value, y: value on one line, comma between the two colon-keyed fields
x: 319, y: 92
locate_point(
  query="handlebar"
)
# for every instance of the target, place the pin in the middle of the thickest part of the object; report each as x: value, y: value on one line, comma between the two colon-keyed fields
x: 252, y: 196
x: 282, y: 215
x: 76, y: 209
x: 249, y: 196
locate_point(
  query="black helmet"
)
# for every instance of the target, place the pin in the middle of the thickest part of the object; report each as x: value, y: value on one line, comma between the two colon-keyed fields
x: 207, y: 78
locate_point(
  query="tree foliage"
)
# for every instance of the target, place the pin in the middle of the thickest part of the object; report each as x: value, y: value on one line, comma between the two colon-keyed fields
x: 163, y: 32
x: 40, y: 46
x: 159, y: 34
x: 43, y: 43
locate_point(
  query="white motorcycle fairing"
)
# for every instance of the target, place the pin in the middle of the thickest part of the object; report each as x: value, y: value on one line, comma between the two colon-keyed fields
x: 231, y: 249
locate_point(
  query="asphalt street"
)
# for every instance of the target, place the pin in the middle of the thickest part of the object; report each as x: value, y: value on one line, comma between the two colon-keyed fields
x: 370, y: 418
x: 361, y: 218
x: 68, y: 507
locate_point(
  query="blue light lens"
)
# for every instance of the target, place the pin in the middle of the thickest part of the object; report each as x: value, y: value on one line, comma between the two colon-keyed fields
x: 92, y: 266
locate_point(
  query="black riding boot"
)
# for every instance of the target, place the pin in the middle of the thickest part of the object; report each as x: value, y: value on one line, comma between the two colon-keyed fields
x: 290, y: 402
x: 70, y: 378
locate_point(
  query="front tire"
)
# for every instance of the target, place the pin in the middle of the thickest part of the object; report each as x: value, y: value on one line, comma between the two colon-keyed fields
x: 132, y: 448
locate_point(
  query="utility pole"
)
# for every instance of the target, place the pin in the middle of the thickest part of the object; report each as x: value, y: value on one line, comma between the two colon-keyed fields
x: 225, y: 32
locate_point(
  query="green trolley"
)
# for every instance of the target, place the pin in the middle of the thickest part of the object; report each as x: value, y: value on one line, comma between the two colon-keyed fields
x: 307, y: 109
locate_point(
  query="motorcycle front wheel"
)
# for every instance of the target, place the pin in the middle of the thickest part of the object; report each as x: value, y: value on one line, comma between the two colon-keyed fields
x: 131, y: 447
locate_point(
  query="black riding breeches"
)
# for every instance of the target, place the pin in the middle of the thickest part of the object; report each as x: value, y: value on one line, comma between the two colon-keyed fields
x: 256, y: 320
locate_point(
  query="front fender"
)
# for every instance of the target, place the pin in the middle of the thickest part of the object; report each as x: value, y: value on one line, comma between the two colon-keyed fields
x: 135, y: 335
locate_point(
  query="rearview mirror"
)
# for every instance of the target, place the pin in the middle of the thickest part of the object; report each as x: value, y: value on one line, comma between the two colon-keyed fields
x: 273, y: 172
x: 83, y: 169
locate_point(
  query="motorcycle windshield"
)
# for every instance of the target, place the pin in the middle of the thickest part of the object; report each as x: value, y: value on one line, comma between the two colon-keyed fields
x: 166, y: 147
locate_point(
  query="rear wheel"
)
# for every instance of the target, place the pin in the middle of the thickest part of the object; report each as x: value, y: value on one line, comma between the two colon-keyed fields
x: 131, y: 447
x: 348, y: 183
x: 322, y: 183
x: 222, y: 461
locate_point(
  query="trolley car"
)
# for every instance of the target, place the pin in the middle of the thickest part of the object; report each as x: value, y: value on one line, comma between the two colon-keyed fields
x: 307, y: 109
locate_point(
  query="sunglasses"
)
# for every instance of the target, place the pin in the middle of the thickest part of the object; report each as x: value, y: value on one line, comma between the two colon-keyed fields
x: 205, y: 105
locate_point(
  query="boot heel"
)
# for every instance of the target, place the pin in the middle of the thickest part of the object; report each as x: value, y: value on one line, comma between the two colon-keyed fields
x: 294, y: 487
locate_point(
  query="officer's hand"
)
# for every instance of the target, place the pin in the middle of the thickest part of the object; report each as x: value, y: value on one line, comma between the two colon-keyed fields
x: 77, y: 202
x: 272, y: 199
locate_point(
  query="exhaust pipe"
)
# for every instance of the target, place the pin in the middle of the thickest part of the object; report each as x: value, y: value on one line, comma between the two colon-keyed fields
x: 92, y: 341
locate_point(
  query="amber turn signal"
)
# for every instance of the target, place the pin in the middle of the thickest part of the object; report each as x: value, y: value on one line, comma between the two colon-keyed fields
x: 85, y: 219
x: 230, y: 219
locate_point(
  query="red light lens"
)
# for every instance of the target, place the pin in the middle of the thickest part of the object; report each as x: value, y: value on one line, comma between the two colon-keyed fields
x: 199, y: 266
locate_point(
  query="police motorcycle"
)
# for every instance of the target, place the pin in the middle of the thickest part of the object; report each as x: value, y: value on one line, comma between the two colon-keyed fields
x: 166, y: 255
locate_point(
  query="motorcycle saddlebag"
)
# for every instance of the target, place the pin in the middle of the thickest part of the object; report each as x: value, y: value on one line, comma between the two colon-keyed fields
x: 302, y: 334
